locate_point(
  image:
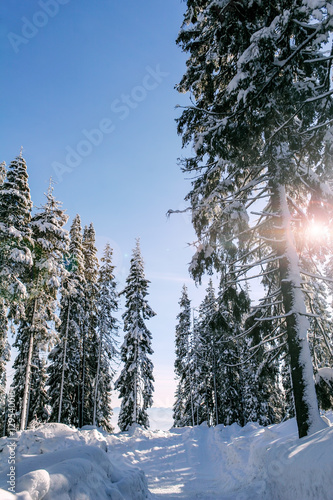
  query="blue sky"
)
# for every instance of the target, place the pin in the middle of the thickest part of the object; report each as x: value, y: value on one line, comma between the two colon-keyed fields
x: 88, y: 91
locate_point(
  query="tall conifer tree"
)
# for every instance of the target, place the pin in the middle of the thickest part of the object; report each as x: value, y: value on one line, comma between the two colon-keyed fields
x: 107, y: 344
x: 34, y: 331
x: 89, y: 332
x: 4, y: 345
x: 259, y: 74
x: 183, y: 413
x: 135, y: 383
x: 65, y: 388
x: 15, y: 235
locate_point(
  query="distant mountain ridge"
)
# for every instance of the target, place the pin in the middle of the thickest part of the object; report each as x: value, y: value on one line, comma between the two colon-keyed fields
x: 159, y: 418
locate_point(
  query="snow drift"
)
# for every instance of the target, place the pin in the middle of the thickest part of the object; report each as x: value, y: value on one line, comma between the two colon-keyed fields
x: 56, y: 462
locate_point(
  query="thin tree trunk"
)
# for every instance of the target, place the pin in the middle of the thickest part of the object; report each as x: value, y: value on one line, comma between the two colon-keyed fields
x: 28, y: 409
x: 97, y: 376
x: 28, y: 373
x: 215, y: 393
x: 63, y: 363
x: 192, y: 408
x: 306, y: 405
x: 5, y: 416
x: 136, y: 373
x: 191, y: 383
x: 83, y: 380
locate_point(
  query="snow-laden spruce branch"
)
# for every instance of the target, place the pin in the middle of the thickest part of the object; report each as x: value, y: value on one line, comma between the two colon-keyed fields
x: 246, y: 361
x: 290, y: 119
x: 319, y: 59
x: 316, y: 276
x: 280, y: 65
x: 284, y: 63
x: 316, y: 127
x: 269, y: 339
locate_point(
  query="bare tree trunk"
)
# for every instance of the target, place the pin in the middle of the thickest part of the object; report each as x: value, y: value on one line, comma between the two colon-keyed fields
x: 135, y: 416
x: 306, y: 405
x: 24, y: 412
x: 97, y: 376
x: 5, y: 416
x: 215, y: 390
x: 64, y: 362
x: 83, y: 380
x: 192, y: 409
x: 191, y: 383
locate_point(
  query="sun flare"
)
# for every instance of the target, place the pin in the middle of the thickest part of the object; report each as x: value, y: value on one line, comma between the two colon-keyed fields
x: 317, y: 231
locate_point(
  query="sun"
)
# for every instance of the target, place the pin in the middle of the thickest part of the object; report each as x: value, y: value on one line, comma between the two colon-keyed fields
x: 317, y: 232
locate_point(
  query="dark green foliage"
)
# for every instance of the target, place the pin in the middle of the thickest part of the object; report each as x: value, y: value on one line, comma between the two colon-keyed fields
x: 15, y: 235
x: 65, y: 369
x: 135, y: 383
x: 259, y: 124
x: 108, y: 344
x: 89, y: 340
x: 183, y: 412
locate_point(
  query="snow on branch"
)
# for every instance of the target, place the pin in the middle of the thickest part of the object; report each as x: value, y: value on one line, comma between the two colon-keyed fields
x: 317, y: 276
x: 319, y: 59
x: 325, y: 374
x: 315, y: 127
x: 271, y: 318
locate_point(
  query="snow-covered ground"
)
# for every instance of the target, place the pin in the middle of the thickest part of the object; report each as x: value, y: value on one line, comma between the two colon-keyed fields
x: 56, y: 462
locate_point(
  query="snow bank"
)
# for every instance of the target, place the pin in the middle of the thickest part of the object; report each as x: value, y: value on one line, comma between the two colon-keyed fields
x: 302, y: 470
x: 232, y: 463
x: 56, y: 462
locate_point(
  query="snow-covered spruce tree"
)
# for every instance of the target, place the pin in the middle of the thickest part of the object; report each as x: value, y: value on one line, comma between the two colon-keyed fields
x: 35, y: 329
x: 38, y: 396
x: 135, y: 383
x: 107, y: 343
x: 15, y: 234
x: 89, y: 332
x: 194, y: 405
x: 4, y: 358
x: 3, y: 171
x: 184, y: 390
x: 15, y: 247
x: 208, y: 356
x: 4, y: 345
x: 65, y: 359
x: 259, y: 74
x: 263, y: 400
x: 227, y: 324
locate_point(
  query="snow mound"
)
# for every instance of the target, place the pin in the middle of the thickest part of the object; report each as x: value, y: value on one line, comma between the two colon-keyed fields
x: 304, y: 469
x: 56, y: 462
x: 231, y: 463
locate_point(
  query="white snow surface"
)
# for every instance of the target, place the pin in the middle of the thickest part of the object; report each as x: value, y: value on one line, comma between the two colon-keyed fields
x: 56, y: 462
x: 325, y: 373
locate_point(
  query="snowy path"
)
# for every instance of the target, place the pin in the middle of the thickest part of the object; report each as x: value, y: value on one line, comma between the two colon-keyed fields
x: 56, y: 462
x: 186, y: 464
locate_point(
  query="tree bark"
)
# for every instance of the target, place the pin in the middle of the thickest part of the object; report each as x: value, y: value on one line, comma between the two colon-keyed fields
x: 63, y: 363
x: 24, y: 415
x: 97, y: 376
x: 306, y: 404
